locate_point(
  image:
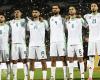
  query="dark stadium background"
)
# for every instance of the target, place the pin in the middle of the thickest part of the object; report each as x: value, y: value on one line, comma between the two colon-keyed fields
x: 44, y: 6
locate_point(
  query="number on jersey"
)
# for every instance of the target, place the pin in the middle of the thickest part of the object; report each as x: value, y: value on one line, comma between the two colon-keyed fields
x: 72, y: 25
x: 94, y: 21
x: 35, y: 27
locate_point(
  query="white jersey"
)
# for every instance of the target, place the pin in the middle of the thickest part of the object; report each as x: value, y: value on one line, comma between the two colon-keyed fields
x: 57, y: 33
x: 4, y: 33
x: 94, y: 26
x: 18, y: 29
x: 37, y: 32
x: 74, y: 27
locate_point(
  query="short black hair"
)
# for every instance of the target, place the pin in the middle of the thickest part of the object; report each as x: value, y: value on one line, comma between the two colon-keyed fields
x: 35, y: 8
x: 55, y: 4
x: 20, y: 9
x: 95, y: 3
x: 1, y: 12
x: 76, y: 7
x: 71, y: 6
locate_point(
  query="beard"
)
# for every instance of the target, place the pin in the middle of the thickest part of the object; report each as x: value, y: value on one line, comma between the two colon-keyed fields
x: 55, y: 13
x: 71, y: 14
x: 93, y: 10
x: 34, y: 16
x: 1, y: 21
x: 16, y: 16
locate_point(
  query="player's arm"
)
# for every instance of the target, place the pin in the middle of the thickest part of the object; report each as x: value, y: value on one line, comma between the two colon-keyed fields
x: 65, y: 26
x: 47, y: 39
x: 9, y: 32
x: 46, y: 25
x: 86, y: 29
x: 27, y: 29
x: 84, y: 23
x: 64, y: 23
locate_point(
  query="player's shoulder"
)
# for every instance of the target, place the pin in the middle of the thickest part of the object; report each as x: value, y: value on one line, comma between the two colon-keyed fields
x: 45, y: 21
x: 10, y: 21
x: 29, y: 21
x: 51, y: 18
x: 23, y: 20
x: 7, y: 23
x: 87, y: 16
x: 98, y: 15
x: 6, y: 26
x: 79, y: 17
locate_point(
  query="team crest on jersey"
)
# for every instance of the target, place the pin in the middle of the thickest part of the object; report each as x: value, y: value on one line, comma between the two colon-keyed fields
x: 42, y: 54
x: 22, y: 24
x: 64, y: 49
x: 13, y: 21
x: 31, y: 24
x: 7, y: 56
x: 68, y: 22
x: 90, y: 17
x: 0, y: 31
x: 51, y: 19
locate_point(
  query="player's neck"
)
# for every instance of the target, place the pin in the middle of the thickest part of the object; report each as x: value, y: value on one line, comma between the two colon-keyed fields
x: 18, y: 18
x: 56, y: 14
x: 36, y: 19
x: 1, y: 23
x: 72, y: 16
x: 94, y: 13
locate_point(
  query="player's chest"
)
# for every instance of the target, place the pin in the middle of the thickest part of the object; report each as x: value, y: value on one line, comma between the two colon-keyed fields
x: 56, y: 22
x: 94, y: 20
x: 36, y: 26
x: 17, y: 25
x: 74, y: 25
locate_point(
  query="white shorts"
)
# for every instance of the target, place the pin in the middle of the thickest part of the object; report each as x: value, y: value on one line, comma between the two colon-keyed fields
x: 37, y: 52
x: 4, y: 54
x: 93, y: 47
x: 19, y: 51
x: 75, y: 50
x: 57, y: 49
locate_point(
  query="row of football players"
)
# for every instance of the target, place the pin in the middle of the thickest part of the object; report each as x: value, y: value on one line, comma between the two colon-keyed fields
x: 36, y: 26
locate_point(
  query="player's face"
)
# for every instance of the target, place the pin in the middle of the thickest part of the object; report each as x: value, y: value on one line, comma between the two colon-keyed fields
x: 72, y: 10
x: 17, y: 14
x: 55, y: 9
x: 94, y: 7
x: 35, y: 13
x: 2, y: 18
